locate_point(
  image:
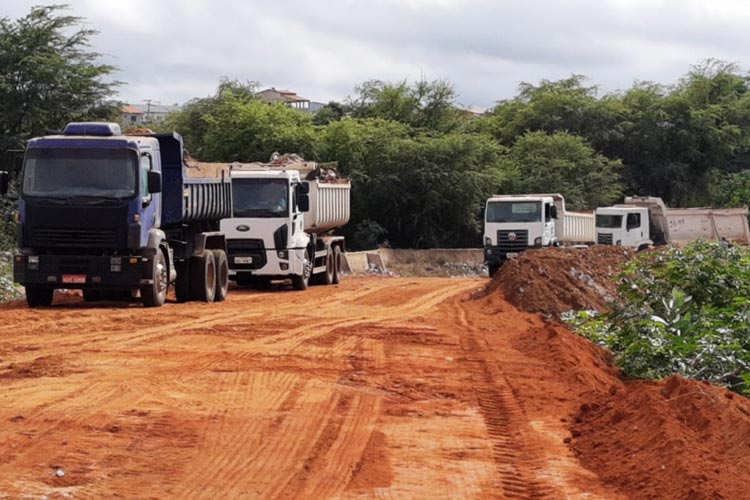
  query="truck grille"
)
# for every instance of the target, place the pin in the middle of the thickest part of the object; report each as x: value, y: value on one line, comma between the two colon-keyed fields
x: 247, y: 248
x: 63, y: 237
x: 513, y: 240
x: 604, y: 239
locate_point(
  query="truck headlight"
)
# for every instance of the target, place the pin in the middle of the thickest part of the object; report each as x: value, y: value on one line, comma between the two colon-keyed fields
x: 538, y: 241
x: 33, y: 262
x: 283, y: 254
x: 618, y: 242
x: 487, y: 241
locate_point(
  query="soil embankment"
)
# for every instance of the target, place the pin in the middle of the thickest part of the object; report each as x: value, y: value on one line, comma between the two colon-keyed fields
x: 552, y: 281
x: 672, y: 439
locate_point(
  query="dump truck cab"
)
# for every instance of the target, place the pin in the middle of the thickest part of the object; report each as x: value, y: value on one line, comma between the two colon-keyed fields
x: 625, y: 225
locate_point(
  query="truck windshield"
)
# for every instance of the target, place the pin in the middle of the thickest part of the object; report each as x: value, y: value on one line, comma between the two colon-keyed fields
x: 260, y: 197
x: 514, y: 211
x: 609, y: 221
x: 70, y: 173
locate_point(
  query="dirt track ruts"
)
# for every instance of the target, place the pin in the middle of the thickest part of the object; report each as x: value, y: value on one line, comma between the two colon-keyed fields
x: 377, y: 388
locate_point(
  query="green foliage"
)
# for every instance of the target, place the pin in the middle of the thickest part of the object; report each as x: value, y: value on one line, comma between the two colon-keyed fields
x: 422, y: 190
x: 427, y: 105
x: 686, y: 311
x: 565, y: 163
x: 331, y: 112
x: 48, y: 75
x: 730, y: 190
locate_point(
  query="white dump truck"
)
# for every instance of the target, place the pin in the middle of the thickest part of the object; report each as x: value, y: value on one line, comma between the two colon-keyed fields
x: 514, y: 223
x: 282, y: 214
x: 643, y: 221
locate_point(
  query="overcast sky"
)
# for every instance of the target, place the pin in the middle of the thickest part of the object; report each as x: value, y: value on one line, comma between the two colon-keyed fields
x: 173, y: 50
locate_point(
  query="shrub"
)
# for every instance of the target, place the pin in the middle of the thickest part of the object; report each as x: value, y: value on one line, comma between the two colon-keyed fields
x: 684, y: 311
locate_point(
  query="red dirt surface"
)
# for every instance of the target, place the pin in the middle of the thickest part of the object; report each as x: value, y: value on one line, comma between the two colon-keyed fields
x: 673, y: 439
x: 552, y: 281
x: 376, y: 388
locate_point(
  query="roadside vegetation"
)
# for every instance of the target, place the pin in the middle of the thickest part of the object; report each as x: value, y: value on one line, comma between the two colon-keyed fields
x: 683, y: 311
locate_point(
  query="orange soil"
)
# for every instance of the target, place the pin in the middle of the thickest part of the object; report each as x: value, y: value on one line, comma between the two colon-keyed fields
x: 555, y: 280
x: 376, y: 388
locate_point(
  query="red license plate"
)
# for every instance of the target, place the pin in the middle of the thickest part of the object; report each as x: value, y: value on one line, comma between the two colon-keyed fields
x: 74, y: 278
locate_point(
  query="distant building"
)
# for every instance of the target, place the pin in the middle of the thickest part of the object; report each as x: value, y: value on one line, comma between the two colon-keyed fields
x: 131, y: 116
x: 142, y: 114
x: 290, y: 98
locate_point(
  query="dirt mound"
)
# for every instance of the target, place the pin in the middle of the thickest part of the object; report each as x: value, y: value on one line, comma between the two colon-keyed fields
x: 671, y: 440
x: 554, y: 280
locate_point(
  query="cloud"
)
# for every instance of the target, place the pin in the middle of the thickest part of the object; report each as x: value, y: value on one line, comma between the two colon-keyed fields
x: 174, y: 50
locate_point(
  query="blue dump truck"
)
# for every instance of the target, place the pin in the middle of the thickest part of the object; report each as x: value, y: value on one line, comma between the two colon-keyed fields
x: 116, y: 215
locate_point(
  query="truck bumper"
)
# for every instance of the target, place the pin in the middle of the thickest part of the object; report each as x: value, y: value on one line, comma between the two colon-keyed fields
x: 498, y: 255
x: 273, y: 265
x: 84, y: 271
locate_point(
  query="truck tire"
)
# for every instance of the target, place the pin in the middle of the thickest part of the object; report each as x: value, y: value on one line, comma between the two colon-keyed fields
x: 37, y: 296
x: 91, y: 295
x: 222, y: 275
x: 182, y: 282
x: 326, y: 277
x: 203, y: 277
x: 155, y: 294
x: 300, y: 281
x: 337, y: 264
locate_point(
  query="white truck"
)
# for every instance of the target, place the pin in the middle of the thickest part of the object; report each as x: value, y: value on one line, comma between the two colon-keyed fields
x: 514, y: 223
x: 644, y: 221
x: 282, y: 211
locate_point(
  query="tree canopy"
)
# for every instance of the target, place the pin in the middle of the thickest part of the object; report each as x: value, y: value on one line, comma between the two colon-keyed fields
x: 48, y: 74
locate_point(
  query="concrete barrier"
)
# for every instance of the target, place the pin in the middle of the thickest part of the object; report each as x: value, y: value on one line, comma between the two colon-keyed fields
x: 361, y: 262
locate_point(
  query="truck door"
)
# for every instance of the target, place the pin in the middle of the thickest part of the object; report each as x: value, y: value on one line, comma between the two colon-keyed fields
x: 549, y: 225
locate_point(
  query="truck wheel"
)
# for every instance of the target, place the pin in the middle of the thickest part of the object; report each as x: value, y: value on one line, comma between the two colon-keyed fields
x: 91, y: 295
x: 222, y: 275
x: 182, y: 282
x: 300, y: 281
x: 155, y: 294
x: 37, y: 296
x: 203, y: 277
x: 330, y: 268
x: 337, y: 265
x: 493, y: 269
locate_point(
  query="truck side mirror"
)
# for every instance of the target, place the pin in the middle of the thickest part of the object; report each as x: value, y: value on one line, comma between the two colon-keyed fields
x: 154, y: 182
x: 4, y: 182
x: 303, y: 188
x: 303, y: 202
x: 553, y: 212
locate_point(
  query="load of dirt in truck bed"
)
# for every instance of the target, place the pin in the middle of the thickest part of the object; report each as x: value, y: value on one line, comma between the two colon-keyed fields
x: 552, y: 281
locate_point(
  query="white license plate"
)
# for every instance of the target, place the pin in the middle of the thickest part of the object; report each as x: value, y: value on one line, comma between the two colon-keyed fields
x: 243, y: 260
x: 511, y: 255
x: 74, y: 278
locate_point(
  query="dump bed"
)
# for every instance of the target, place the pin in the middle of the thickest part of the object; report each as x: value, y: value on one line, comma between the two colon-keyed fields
x: 329, y: 205
x: 681, y: 225
x: 576, y: 227
x: 191, y: 191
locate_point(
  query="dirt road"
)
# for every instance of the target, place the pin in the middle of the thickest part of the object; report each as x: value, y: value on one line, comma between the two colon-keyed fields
x: 377, y: 388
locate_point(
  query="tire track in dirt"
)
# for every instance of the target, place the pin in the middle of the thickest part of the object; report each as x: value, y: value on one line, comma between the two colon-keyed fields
x: 516, y: 460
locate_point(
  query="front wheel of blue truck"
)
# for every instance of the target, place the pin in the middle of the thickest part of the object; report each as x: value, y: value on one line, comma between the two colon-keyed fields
x: 37, y: 296
x: 154, y: 294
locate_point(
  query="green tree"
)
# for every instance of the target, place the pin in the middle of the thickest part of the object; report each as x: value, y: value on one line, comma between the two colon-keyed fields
x: 427, y: 105
x: 564, y: 163
x: 48, y: 74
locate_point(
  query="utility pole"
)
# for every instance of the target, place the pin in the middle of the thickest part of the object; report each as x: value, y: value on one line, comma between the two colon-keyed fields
x: 148, y: 102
